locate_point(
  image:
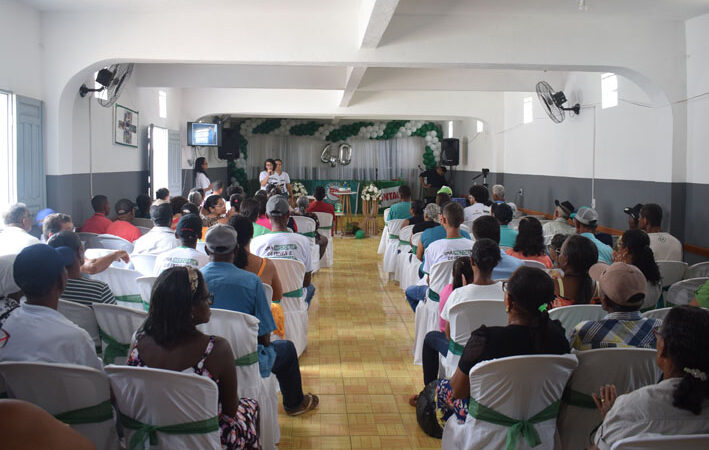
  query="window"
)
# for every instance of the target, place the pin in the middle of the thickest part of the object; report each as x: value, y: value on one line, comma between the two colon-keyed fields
x: 162, y: 104
x: 450, y: 128
x: 159, y: 156
x: 103, y: 95
x: 527, y: 110
x: 480, y: 126
x: 7, y: 151
x: 609, y: 90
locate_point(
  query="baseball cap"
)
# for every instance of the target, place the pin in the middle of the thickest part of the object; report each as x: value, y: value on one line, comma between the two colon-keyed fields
x: 502, y: 212
x: 565, y: 205
x: 189, y: 225
x: 220, y: 239
x: 38, y: 266
x: 445, y: 190
x: 43, y: 215
x: 586, y: 216
x: 277, y: 206
x: 161, y: 212
x: 7, y: 281
x: 633, y: 212
x: 620, y: 282
x: 124, y: 206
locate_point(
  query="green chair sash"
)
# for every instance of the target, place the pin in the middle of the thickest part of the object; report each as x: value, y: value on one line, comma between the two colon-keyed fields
x: 578, y: 399
x: 132, y: 298
x: 326, y: 228
x: 414, y: 248
x: 309, y: 234
x: 403, y: 242
x: 433, y: 295
x: 246, y: 360
x: 296, y: 293
x: 114, y: 349
x: 91, y: 414
x: 455, y: 348
x: 393, y: 236
x: 515, y: 426
x: 144, y: 431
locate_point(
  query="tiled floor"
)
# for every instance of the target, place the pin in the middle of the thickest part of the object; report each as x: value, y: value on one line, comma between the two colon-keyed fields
x: 358, y: 359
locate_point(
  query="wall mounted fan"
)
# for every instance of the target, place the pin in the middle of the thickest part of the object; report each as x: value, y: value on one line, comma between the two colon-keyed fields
x: 554, y: 102
x: 112, y: 79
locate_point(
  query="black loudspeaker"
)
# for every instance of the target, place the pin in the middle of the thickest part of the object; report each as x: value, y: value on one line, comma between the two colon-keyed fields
x: 230, y: 144
x: 450, y: 152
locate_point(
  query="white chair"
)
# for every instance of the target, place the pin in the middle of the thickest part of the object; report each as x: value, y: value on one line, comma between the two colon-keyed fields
x: 570, y: 316
x: 682, y: 292
x: 295, y: 310
x: 117, y: 325
x: 403, y: 250
x: 464, y: 318
x: 90, y: 240
x: 699, y: 270
x: 143, y: 223
x: 83, y: 316
x: 627, y: 368
x: 115, y: 243
x: 410, y: 270
x: 663, y: 442
x: 517, y: 388
x: 241, y: 331
x: 671, y: 272
x: 467, y: 226
x: 122, y: 283
x: 144, y: 263
x: 145, y: 287
x: 62, y: 390
x: 93, y: 253
x: 427, y: 315
x: 325, y: 229
x: 654, y: 291
x: 142, y: 230
x: 306, y: 227
x: 166, y: 399
x: 659, y: 313
x: 201, y: 247
x: 392, y: 246
x: 269, y: 292
x: 385, y: 234
x: 535, y: 264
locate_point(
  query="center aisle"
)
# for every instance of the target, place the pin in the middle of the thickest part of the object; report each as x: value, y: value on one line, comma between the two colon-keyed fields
x: 358, y: 359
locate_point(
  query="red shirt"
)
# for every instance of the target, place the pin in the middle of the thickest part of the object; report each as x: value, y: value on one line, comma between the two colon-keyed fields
x: 124, y: 229
x: 98, y: 223
x: 321, y: 206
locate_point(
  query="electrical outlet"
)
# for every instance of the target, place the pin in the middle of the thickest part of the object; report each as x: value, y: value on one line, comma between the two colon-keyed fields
x: 521, y: 191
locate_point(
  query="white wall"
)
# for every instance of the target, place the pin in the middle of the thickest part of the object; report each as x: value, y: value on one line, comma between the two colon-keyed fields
x: 698, y: 108
x: 20, y: 49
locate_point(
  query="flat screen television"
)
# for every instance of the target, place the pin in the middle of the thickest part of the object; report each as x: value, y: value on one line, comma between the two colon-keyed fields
x: 204, y: 134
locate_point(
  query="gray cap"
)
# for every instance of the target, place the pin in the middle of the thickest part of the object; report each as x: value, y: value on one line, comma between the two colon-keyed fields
x: 161, y: 213
x: 220, y: 239
x: 277, y: 206
x: 587, y: 216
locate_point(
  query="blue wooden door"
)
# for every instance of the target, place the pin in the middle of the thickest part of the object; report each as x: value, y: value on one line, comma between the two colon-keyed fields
x: 31, y: 182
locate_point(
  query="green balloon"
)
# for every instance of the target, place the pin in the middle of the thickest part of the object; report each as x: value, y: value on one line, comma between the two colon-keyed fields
x: 359, y: 234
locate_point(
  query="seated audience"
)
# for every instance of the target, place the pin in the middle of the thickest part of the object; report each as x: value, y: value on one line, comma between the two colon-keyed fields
x: 676, y: 405
x: 176, y: 204
x: 142, y: 206
x: 451, y: 247
x: 664, y: 246
x: 196, y: 196
x: 503, y: 213
x: 434, y: 233
x: 529, y: 244
x: 415, y: 213
x: 623, y: 291
x: 479, y: 199
x: 586, y: 220
x: 218, y: 188
x: 170, y: 340
x: 430, y: 216
x: 487, y: 227
x: 462, y: 276
x: 250, y: 208
x: 10, y: 293
x: 401, y: 210
x: 634, y: 248
x: 238, y: 290
x: 234, y: 203
x: 162, y: 194
x: 188, y: 231
x: 39, y: 221
x: 189, y: 208
x: 498, y: 196
x: 575, y: 286
x: 36, y: 331
x: 529, y: 332
x: 56, y: 222
x: 554, y: 247
x: 633, y: 216
x: 283, y: 244
x: 560, y: 220
x: 262, y: 198
x: 301, y: 209
x: 99, y: 222
x: 79, y: 288
x: 214, y: 211
x: 15, y: 236
x: 160, y: 238
x: 319, y: 205
x: 123, y: 226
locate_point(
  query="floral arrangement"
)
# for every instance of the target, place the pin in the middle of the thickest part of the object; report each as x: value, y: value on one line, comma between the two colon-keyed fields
x: 371, y: 192
x: 298, y: 189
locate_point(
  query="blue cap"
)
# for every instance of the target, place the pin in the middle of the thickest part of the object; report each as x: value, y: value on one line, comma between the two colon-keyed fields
x: 38, y: 266
x: 43, y: 215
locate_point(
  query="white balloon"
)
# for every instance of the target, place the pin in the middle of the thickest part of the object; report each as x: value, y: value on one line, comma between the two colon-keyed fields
x: 428, y: 139
x: 434, y: 133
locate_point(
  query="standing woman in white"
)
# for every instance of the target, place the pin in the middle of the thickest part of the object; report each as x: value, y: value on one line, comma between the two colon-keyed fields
x: 268, y: 174
x: 283, y: 179
x: 200, y: 178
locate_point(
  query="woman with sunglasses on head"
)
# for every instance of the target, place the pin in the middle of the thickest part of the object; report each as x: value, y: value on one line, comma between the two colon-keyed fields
x: 170, y: 340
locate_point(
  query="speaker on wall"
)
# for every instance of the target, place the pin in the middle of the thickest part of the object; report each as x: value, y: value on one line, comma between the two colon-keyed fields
x: 230, y: 144
x: 450, y: 152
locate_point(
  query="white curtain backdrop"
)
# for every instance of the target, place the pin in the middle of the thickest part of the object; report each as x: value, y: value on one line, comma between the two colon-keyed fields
x: 371, y: 159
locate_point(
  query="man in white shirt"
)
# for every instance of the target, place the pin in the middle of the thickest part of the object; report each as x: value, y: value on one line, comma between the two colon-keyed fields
x: 36, y: 331
x: 281, y: 243
x: 664, y: 246
x: 282, y: 178
x: 560, y: 222
x: 160, y: 238
x: 479, y: 196
x: 15, y: 236
x: 188, y: 231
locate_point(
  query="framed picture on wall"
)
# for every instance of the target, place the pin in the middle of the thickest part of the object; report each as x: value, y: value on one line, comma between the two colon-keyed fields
x: 125, y: 126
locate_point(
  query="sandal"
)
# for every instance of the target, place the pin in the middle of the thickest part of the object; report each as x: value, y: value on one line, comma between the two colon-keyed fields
x: 310, y: 402
x: 413, y: 399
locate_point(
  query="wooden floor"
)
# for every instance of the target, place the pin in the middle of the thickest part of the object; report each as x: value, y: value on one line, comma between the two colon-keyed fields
x: 358, y: 359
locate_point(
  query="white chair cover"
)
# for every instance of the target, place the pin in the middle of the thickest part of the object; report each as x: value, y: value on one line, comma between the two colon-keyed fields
x: 145, y: 287
x: 654, y: 291
x: 201, y: 245
x: 403, y: 250
x: 142, y: 229
x: 117, y: 324
x: 682, y: 292
x: 671, y: 271
x: 325, y: 229
x: 93, y: 253
x: 392, y: 245
x: 144, y: 263
x: 699, y: 270
x: 241, y: 331
x: 295, y: 310
x: 570, y: 316
x: 627, y: 368
x: 115, y: 243
x: 659, y: 313
x: 90, y: 240
x: 122, y: 283
x: 60, y: 388
x: 269, y: 292
x: 468, y: 226
x: 385, y: 234
x: 535, y: 264
x: 83, y: 316
x: 427, y: 315
x: 519, y: 387
x: 306, y: 227
x: 163, y: 397
x: 464, y: 319
x: 410, y: 269
x: 660, y: 442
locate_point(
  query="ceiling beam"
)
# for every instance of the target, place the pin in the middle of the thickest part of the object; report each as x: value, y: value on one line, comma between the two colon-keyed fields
x: 354, y: 77
x: 375, y: 16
